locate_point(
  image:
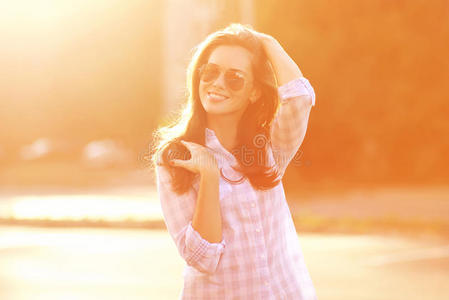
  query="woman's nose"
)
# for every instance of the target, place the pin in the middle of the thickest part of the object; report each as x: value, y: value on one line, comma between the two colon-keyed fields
x: 219, y: 81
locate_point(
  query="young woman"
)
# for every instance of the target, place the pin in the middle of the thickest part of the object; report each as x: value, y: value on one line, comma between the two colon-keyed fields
x: 219, y: 169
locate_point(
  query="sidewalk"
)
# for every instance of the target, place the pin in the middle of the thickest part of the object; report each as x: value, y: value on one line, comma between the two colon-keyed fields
x: 399, y: 210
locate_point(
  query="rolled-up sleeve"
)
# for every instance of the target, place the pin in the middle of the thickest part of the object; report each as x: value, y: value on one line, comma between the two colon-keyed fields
x: 178, y: 213
x: 290, y: 123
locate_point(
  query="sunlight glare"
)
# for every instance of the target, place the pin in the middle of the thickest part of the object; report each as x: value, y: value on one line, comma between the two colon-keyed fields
x: 92, y: 207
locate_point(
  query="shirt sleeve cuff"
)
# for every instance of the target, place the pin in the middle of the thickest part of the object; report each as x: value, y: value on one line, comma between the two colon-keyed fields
x: 200, y: 247
x: 296, y: 87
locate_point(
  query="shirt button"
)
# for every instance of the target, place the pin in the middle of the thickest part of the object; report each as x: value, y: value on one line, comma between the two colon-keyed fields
x: 262, y: 256
x: 266, y: 283
x: 257, y: 230
x: 253, y: 204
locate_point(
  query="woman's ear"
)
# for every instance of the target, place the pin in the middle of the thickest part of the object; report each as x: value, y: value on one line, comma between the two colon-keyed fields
x: 255, y: 95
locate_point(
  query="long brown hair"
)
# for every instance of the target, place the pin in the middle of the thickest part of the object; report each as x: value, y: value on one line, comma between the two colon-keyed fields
x: 253, y: 135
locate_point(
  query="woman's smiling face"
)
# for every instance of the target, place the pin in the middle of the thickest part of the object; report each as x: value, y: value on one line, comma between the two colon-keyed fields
x: 216, y: 97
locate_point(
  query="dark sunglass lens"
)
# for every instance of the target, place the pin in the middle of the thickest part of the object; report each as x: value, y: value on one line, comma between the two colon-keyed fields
x: 209, y: 73
x: 234, y: 80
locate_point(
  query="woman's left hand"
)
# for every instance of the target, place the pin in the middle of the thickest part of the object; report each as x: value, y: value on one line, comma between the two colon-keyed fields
x: 202, y: 161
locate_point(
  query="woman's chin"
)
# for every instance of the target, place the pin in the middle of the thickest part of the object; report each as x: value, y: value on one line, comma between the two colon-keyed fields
x: 215, y: 107
x: 216, y: 111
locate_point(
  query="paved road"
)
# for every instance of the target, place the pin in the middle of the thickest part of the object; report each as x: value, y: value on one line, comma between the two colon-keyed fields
x: 56, y: 263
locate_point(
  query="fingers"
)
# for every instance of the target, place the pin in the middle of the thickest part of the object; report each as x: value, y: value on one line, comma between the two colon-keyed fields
x: 177, y: 163
x: 186, y: 164
x: 193, y: 147
x: 189, y: 145
x: 199, y: 157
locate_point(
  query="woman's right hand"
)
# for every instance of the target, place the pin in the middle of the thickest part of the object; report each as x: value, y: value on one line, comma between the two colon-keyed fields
x: 201, y: 161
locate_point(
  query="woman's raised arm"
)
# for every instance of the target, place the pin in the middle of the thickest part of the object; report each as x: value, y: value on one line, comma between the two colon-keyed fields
x: 297, y: 98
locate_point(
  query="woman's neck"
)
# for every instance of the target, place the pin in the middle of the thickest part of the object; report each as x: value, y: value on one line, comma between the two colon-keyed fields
x: 225, y: 129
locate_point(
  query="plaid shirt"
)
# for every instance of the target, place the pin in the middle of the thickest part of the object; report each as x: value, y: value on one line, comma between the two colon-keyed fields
x: 260, y: 256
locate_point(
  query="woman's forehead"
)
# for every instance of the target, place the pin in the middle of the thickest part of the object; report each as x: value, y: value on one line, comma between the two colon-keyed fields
x: 231, y: 57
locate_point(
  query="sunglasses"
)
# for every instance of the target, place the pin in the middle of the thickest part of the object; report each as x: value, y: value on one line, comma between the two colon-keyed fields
x: 234, y: 79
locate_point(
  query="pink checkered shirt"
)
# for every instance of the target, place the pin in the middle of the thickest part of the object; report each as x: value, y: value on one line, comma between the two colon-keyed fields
x: 260, y: 256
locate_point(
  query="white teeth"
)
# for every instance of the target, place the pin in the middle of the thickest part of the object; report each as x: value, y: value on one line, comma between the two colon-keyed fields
x: 216, y: 96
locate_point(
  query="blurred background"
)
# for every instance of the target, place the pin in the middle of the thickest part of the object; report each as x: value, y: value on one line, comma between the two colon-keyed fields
x: 83, y: 85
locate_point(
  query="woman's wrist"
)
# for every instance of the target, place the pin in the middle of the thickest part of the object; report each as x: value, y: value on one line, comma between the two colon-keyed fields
x: 210, y: 172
